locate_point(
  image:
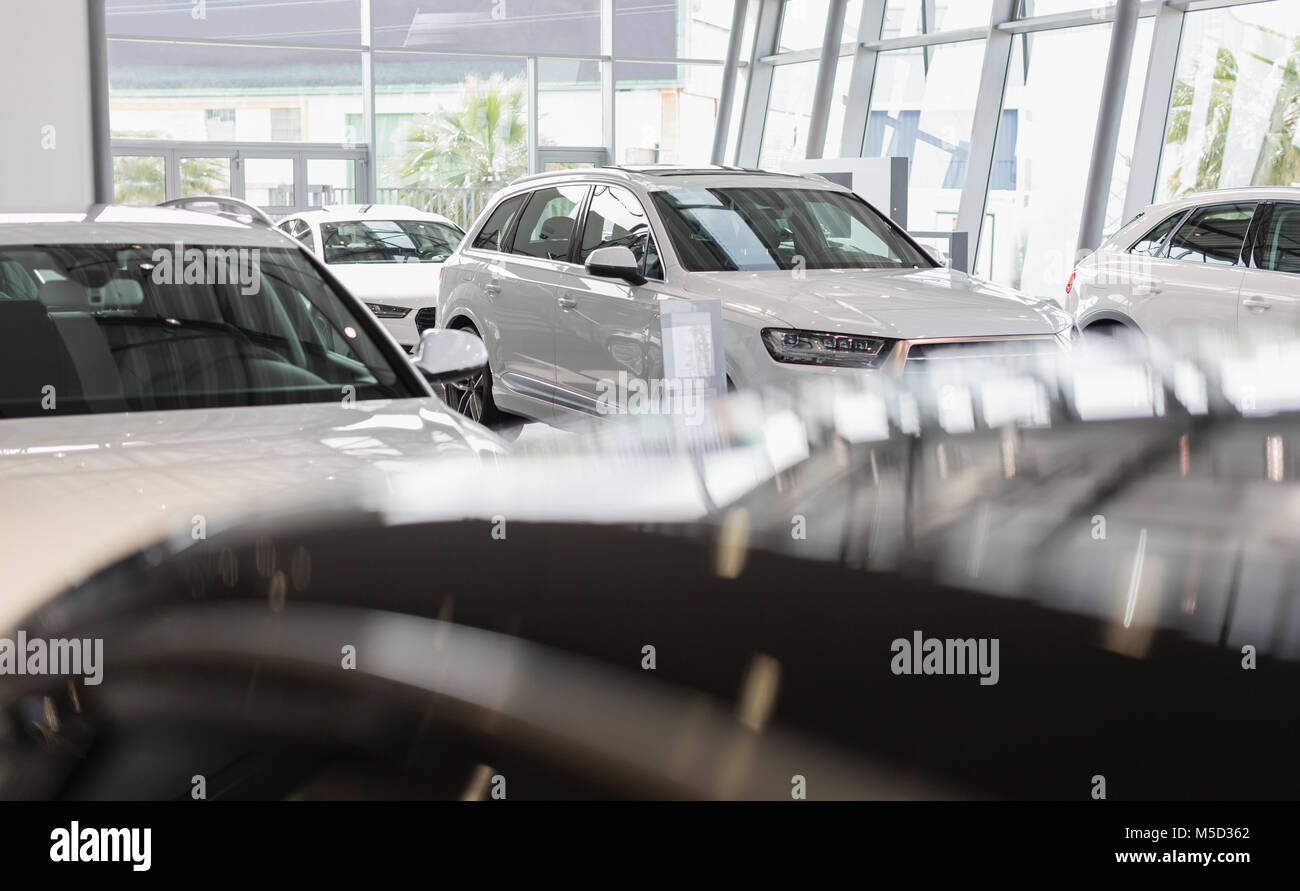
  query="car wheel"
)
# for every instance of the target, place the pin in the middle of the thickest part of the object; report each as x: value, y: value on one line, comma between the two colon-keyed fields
x: 472, y: 397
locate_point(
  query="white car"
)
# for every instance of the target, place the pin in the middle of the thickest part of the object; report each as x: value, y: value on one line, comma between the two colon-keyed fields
x: 565, y: 274
x: 164, y: 371
x: 1228, y: 261
x: 386, y: 255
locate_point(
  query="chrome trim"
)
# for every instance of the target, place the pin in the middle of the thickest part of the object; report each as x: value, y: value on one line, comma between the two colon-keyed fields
x: 897, y: 360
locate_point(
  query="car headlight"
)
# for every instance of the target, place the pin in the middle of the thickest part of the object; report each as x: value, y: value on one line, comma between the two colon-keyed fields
x: 825, y: 348
x: 388, y: 311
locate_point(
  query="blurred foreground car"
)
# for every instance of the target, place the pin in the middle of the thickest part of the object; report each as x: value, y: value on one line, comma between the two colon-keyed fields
x: 159, y: 368
x: 387, y: 255
x: 1227, y: 261
x: 931, y: 603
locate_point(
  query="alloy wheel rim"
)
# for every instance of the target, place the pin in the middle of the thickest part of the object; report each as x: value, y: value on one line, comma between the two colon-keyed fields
x: 469, y: 397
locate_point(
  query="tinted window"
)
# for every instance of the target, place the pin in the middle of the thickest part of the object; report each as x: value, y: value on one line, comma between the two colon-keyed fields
x: 388, y: 241
x: 1151, y: 243
x: 300, y: 230
x: 1279, y: 247
x: 547, y: 224
x: 132, y: 327
x: 495, y: 229
x: 615, y: 218
x: 1212, y: 235
x: 717, y: 230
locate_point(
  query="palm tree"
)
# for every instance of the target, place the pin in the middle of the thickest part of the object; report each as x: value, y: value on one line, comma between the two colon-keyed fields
x: 1218, y: 118
x: 482, y: 143
x: 1279, y: 158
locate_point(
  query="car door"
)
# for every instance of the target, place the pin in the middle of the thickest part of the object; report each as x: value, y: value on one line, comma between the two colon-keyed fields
x: 478, y: 280
x: 1111, y: 280
x: 1195, y: 285
x: 525, y: 285
x: 605, y: 328
x: 1269, y: 308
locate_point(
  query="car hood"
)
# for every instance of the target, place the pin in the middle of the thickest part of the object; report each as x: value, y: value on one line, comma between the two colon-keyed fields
x: 375, y: 281
x: 82, y: 492
x: 898, y: 303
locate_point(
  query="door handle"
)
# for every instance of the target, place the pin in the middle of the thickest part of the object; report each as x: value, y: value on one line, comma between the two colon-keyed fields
x: 567, y: 302
x: 493, y: 287
x: 1257, y: 305
x: 1141, y: 291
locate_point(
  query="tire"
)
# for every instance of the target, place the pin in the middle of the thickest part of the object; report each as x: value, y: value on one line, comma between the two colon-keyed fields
x: 473, y: 397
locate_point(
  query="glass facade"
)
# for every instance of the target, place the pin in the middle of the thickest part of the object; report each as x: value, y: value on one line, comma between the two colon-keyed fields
x: 922, y: 108
x: 785, y: 135
x: 1235, y: 109
x: 453, y: 116
x: 910, y: 18
x: 1041, y: 159
x: 924, y: 99
x: 451, y: 101
x: 665, y: 114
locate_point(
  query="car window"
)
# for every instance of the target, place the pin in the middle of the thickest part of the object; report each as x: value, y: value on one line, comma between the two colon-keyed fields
x: 546, y: 226
x: 388, y: 241
x: 1279, y: 246
x: 16, y: 283
x: 1212, y: 235
x: 1149, y: 245
x: 719, y: 230
x: 301, y: 230
x: 615, y: 217
x: 490, y: 237
x: 131, y: 327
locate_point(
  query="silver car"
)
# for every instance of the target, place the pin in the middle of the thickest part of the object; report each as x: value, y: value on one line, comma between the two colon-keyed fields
x: 1227, y: 261
x: 568, y: 278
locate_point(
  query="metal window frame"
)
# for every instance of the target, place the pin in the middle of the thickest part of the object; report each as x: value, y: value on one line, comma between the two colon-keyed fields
x: 368, y: 51
x: 756, y: 67
x: 299, y: 153
x: 824, y: 89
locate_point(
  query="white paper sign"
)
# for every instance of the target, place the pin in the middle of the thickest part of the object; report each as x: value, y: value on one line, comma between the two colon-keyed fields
x: 693, y: 346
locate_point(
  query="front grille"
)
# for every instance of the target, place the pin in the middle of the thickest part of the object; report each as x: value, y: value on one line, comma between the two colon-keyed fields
x: 924, y: 356
x: 426, y: 318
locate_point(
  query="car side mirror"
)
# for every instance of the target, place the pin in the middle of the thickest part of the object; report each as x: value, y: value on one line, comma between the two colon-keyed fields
x: 449, y: 355
x: 615, y: 261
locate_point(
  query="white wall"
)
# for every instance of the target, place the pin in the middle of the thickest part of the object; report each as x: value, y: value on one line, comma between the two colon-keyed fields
x: 45, y: 143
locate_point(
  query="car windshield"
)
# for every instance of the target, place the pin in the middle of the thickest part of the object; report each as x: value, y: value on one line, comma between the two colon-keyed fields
x: 725, y: 230
x: 99, y: 328
x: 388, y: 241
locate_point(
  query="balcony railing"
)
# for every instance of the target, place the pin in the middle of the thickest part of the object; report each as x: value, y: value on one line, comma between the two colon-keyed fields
x: 460, y: 205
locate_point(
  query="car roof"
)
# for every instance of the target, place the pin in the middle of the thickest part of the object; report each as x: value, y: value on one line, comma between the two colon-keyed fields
x: 1215, y: 196
x: 121, y: 224
x: 346, y: 212
x: 663, y: 176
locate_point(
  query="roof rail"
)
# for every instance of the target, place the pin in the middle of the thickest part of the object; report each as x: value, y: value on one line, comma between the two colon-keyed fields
x: 223, y: 206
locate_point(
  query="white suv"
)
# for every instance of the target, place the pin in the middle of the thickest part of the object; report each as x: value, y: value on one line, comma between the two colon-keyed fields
x: 1228, y: 261
x: 564, y: 276
x: 386, y: 255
